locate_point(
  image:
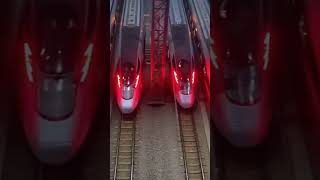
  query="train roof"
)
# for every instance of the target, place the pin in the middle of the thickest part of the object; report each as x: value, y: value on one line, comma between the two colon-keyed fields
x: 129, y: 44
x: 132, y: 13
x: 181, y: 41
x: 177, y: 12
x: 203, y: 16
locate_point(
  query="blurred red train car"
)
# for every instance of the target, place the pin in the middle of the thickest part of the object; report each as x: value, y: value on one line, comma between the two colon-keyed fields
x: 61, y: 76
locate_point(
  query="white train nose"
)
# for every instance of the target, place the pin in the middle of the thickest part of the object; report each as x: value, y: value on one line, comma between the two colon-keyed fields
x: 242, y: 126
x: 185, y: 101
x: 245, y: 131
x: 127, y: 106
x: 55, y: 140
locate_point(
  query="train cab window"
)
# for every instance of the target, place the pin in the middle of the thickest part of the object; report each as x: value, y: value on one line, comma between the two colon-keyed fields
x: 184, y: 69
x: 242, y: 84
x: 59, y: 40
x: 128, y: 72
x: 183, y: 75
x: 128, y: 79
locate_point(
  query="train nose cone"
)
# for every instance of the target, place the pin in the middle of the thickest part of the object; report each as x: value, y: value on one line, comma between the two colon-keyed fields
x: 55, y: 140
x: 241, y: 125
x: 127, y: 106
x: 245, y: 126
x: 185, y: 101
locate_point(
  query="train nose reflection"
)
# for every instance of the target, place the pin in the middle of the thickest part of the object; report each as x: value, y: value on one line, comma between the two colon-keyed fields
x: 241, y: 125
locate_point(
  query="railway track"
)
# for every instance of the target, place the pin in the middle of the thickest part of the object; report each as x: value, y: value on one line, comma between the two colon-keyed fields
x: 124, y: 163
x: 190, y: 146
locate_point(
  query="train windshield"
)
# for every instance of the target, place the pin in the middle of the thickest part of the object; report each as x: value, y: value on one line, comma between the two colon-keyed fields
x: 242, y: 84
x: 128, y: 80
x: 184, y: 70
x: 60, y: 41
x: 59, y: 49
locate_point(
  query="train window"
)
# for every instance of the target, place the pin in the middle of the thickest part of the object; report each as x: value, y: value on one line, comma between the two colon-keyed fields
x: 242, y: 84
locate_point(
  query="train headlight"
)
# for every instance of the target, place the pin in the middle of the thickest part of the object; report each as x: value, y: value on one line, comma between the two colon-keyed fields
x: 28, y: 65
x: 88, y: 55
x: 193, y: 74
x: 137, y: 81
x: 176, y: 77
x: 119, y: 83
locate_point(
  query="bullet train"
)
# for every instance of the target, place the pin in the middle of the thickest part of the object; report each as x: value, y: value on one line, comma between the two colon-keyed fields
x: 129, y: 57
x: 61, y: 76
x: 241, y: 78
x: 181, y: 56
x: 198, y: 14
